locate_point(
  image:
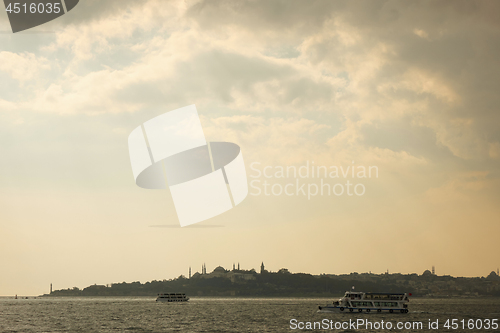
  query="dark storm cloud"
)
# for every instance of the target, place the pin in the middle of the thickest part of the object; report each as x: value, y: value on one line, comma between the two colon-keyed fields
x: 378, y: 14
x: 218, y: 74
x: 264, y: 15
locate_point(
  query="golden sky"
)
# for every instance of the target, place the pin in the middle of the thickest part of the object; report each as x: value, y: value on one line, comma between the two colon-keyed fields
x: 408, y: 87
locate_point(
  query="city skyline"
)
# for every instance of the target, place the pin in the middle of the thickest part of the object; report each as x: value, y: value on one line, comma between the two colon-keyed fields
x: 204, y: 271
x: 222, y: 282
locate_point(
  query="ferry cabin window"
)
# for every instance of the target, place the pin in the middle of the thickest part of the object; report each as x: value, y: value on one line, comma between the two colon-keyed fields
x: 359, y: 304
x: 386, y: 304
x: 377, y: 296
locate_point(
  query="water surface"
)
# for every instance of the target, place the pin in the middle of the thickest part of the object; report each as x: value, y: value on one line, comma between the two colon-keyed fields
x: 142, y: 314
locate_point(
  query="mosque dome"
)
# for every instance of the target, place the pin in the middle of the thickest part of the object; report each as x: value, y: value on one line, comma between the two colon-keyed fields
x: 219, y: 269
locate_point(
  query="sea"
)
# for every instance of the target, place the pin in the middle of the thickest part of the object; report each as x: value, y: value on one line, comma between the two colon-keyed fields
x: 143, y: 314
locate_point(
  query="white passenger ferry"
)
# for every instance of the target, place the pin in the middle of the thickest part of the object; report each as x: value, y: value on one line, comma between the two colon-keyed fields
x: 172, y: 297
x: 366, y: 302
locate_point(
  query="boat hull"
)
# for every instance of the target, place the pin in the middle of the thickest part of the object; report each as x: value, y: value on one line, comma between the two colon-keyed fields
x: 172, y: 298
x: 340, y: 309
x: 163, y: 300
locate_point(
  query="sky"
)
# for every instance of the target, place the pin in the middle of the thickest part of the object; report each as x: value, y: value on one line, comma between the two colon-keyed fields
x: 408, y: 87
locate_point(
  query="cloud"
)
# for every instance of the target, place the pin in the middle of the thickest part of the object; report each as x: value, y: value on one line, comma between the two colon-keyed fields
x: 22, y: 66
x: 99, y: 26
x: 6, y: 105
x: 283, y: 18
x: 198, y: 70
x: 464, y: 188
x: 276, y: 140
x: 349, y: 64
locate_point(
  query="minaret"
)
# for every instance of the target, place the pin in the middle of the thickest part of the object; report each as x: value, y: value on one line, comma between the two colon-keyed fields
x: 238, y: 266
x: 189, y: 271
x: 433, y: 270
x: 233, y: 266
x: 262, y: 268
x: 51, y: 288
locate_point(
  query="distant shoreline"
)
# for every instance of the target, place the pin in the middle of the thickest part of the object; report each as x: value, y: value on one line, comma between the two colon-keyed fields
x: 243, y: 283
x: 46, y: 296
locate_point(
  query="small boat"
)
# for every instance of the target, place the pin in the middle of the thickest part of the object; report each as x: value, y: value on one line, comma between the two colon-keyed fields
x: 367, y: 302
x: 172, y: 297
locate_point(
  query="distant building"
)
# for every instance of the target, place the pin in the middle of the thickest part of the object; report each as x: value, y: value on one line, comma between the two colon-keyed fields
x: 262, y: 269
x: 433, y: 270
x: 221, y: 272
x: 218, y: 272
x: 235, y: 277
x: 427, y: 273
